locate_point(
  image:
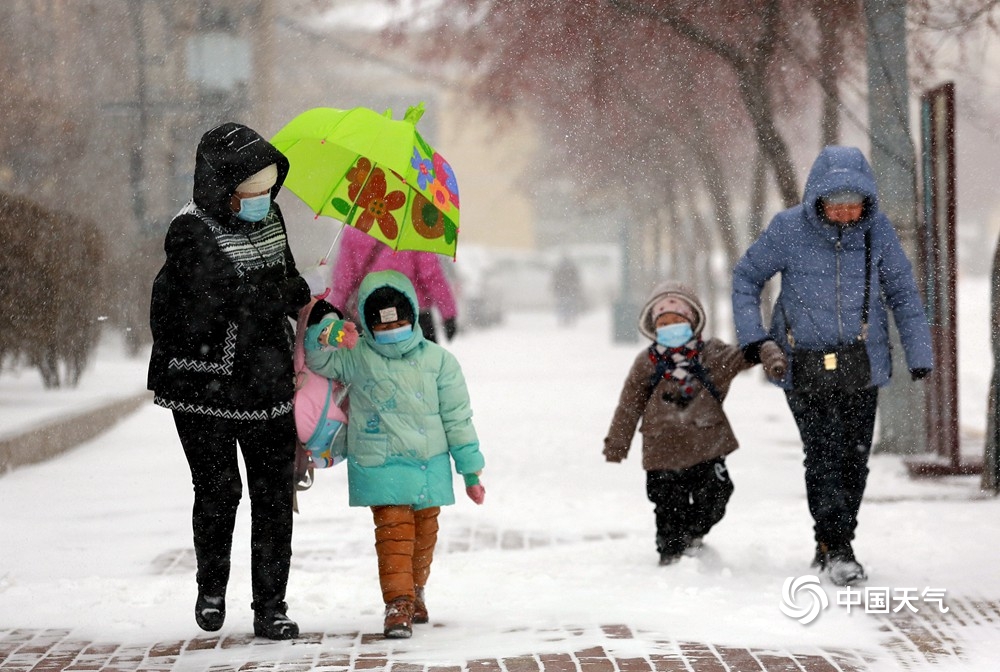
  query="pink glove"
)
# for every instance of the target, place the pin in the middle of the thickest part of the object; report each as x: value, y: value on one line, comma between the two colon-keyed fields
x: 476, y: 493
x: 474, y: 489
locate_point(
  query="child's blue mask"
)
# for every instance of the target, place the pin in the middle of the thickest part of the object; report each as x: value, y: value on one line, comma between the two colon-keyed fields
x: 397, y: 335
x: 255, y: 208
x: 674, y: 335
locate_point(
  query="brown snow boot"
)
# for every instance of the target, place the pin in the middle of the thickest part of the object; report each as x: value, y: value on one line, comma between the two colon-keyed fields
x: 399, y: 618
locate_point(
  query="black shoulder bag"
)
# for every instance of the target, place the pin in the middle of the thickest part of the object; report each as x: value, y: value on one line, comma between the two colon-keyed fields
x: 843, y: 368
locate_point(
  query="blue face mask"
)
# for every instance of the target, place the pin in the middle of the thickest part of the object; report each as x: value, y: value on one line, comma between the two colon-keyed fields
x: 255, y: 208
x: 397, y: 335
x: 674, y: 335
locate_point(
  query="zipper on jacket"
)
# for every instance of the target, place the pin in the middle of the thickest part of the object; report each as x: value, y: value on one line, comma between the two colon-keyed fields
x: 840, y: 322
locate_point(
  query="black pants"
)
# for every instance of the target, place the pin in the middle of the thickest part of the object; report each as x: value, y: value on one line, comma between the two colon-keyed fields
x: 689, y: 502
x: 268, y: 448
x: 836, y: 430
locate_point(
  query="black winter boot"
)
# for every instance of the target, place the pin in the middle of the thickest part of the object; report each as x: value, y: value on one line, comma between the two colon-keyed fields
x: 839, y: 563
x: 210, y: 612
x: 273, y: 623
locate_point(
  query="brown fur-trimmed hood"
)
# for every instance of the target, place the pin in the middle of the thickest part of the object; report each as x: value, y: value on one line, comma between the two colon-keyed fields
x: 676, y: 289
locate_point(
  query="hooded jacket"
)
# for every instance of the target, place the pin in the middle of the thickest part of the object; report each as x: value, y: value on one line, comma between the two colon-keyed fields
x: 822, y: 268
x: 675, y: 437
x: 222, y: 343
x: 410, y: 412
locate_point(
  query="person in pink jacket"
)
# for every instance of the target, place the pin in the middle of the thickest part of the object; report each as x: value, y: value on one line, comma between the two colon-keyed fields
x: 361, y: 254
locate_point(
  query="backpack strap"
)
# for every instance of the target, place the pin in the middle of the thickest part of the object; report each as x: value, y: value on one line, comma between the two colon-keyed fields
x: 697, y: 370
x: 701, y: 373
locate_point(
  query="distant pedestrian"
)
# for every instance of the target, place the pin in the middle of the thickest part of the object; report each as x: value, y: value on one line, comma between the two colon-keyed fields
x: 361, y: 254
x: 410, y: 416
x: 841, y: 266
x: 567, y: 287
x: 222, y: 362
x: 676, y: 388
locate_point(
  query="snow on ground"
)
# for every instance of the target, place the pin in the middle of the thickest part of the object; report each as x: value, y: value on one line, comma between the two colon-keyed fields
x: 83, y: 536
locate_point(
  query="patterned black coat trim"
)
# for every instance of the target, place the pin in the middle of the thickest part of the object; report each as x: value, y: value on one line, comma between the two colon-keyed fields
x: 223, y: 368
x: 225, y: 413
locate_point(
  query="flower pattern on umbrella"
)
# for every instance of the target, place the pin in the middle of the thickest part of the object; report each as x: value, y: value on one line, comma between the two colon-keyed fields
x: 378, y: 205
x: 445, y: 176
x: 440, y: 196
x: 424, y: 168
x: 428, y: 221
x: 357, y: 176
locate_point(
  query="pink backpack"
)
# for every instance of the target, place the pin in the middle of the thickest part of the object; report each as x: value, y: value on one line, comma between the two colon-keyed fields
x: 319, y: 406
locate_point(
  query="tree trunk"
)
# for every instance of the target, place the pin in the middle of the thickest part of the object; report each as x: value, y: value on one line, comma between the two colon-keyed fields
x: 758, y: 196
x: 757, y: 99
x: 829, y: 74
x: 701, y: 145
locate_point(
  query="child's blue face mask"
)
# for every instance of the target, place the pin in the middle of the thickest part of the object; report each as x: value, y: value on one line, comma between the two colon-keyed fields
x: 255, y: 208
x: 674, y: 335
x: 397, y: 335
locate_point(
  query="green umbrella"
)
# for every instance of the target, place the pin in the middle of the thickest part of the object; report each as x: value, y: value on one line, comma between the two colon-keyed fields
x: 375, y: 174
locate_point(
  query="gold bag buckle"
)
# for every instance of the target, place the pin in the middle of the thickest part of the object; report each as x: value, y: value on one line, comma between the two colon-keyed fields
x: 830, y: 361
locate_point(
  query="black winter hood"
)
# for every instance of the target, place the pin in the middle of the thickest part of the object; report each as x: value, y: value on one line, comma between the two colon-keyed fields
x: 227, y: 155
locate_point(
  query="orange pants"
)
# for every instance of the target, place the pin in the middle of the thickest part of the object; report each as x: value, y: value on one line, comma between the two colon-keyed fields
x: 404, y: 542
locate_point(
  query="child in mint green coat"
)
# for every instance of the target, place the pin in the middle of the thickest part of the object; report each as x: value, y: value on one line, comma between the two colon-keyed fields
x: 410, y: 416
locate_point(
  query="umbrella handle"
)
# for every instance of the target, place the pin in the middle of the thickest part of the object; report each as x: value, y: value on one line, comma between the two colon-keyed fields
x: 334, y: 243
x: 350, y: 215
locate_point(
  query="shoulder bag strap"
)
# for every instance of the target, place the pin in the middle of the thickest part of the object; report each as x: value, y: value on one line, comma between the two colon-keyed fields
x: 868, y: 285
x: 865, y: 306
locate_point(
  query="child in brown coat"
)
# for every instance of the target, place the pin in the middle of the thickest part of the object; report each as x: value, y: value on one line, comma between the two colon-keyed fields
x: 676, y: 387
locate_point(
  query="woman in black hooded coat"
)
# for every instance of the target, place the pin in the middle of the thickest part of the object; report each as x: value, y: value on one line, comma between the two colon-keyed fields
x: 222, y: 362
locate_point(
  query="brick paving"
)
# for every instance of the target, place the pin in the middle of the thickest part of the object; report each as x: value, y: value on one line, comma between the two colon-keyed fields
x: 55, y: 650
x: 912, y: 642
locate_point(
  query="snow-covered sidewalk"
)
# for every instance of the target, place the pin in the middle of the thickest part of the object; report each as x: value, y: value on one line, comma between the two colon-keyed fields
x: 97, y: 542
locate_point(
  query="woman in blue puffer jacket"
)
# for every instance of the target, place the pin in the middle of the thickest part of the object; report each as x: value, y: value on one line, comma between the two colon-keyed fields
x: 409, y: 417
x: 819, y: 249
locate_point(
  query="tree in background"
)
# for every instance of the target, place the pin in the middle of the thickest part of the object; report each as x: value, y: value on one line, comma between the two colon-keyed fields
x: 52, y: 289
x: 660, y: 108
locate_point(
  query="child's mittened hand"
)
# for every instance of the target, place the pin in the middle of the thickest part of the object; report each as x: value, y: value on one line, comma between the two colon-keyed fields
x: 773, y: 359
x: 476, y: 493
x: 474, y: 489
x: 338, y: 333
x: 351, y: 335
x: 614, y: 454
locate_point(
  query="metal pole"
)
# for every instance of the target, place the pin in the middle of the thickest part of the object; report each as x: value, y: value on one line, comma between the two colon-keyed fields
x: 901, y: 404
x: 991, y: 451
